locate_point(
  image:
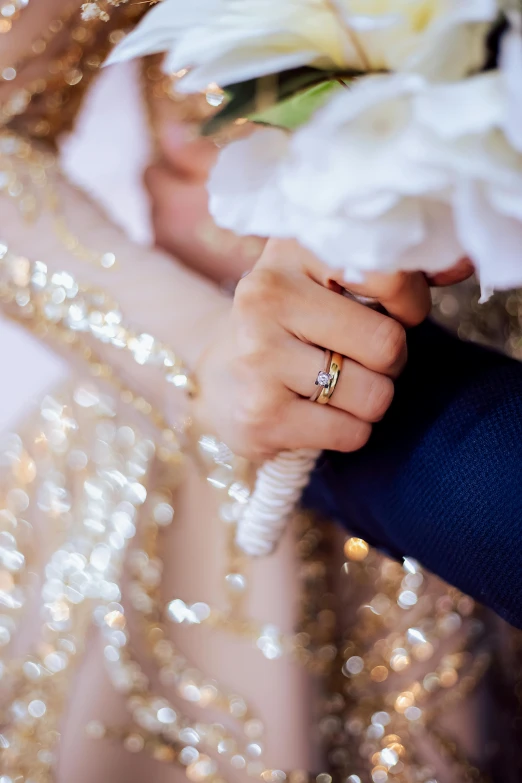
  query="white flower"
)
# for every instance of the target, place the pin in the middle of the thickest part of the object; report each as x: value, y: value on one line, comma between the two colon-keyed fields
x: 511, y: 65
x: 393, y: 174
x: 163, y: 26
x: 244, y: 187
x: 482, y: 147
x: 350, y: 186
x: 229, y: 41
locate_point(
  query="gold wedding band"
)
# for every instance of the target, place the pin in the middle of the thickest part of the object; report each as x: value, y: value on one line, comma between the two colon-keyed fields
x: 331, y: 379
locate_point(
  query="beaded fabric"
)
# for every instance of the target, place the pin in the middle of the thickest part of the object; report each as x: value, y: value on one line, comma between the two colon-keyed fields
x: 46, y: 106
x: 391, y: 649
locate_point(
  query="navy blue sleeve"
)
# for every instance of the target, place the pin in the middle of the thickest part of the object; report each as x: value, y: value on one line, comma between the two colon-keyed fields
x: 441, y: 478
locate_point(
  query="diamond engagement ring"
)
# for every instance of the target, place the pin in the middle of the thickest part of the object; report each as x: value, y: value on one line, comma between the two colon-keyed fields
x: 328, y: 378
x: 334, y: 373
x: 323, y: 377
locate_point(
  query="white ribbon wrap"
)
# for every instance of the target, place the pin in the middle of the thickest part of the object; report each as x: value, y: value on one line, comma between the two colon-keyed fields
x: 279, y: 486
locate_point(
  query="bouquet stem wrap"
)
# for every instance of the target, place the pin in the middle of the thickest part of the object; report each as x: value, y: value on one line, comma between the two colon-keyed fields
x: 279, y: 486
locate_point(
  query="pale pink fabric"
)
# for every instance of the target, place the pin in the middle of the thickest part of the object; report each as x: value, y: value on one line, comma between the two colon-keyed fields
x: 106, y: 154
x: 110, y: 148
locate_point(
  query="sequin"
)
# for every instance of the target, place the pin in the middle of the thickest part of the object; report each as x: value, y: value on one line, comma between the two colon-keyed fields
x: 407, y: 599
x: 413, y: 713
x: 116, y: 497
x: 167, y: 715
x: 236, y: 582
x: 36, y: 708
x: 270, y: 642
x: 188, y: 755
x: 353, y: 666
x: 163, y: 514
x: 134, y: 743
x: 381, y: 718
x: 356, y: 549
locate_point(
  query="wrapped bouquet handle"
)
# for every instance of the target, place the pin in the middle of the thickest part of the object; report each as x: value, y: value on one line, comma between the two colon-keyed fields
x: 280, y: 482
x: 278, y: 488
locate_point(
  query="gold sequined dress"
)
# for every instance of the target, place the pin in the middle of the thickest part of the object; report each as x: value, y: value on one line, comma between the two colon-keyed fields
x: 137, y: 644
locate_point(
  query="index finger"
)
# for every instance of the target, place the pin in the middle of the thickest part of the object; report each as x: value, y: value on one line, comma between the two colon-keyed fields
x: 404, y: 295
x: 324, y: 318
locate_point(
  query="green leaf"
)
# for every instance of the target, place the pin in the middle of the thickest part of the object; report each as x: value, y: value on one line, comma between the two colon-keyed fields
x: 242, y: 98
x: 297, y: 110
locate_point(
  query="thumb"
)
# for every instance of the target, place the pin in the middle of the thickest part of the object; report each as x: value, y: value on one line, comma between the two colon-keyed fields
x: 460, y: 272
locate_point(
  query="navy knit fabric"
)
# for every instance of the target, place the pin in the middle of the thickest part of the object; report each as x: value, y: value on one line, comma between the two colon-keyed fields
x: 441, y: 478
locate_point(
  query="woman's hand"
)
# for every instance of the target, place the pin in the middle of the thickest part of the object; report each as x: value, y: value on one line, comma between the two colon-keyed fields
x: 260, y: 365
x: 259, y: 369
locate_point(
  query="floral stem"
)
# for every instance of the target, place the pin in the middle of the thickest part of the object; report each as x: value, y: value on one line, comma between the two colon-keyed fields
x: 332, y: 5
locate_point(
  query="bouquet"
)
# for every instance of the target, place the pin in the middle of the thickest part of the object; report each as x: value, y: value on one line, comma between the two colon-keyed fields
x: 390, y: 133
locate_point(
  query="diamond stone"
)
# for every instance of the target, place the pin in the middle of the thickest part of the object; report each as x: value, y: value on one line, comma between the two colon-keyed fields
x: 323, y: 379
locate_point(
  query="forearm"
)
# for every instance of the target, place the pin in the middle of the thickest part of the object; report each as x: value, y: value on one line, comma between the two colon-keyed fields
x: 155, y: 294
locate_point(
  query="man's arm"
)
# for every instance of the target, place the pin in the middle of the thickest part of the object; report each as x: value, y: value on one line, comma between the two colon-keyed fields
x: 441, y: 479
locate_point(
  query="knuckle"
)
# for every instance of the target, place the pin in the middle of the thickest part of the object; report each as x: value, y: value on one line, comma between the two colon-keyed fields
x: 340, y: 441
x: 250, y: 414
x: 379, y: 398
x: 262, y: 289
x: 254, y: 420
x: 254, y: 359
x: 245, y: 298
x: 350, y: 438
x: 390, y: 339
x: 246, y: 435
x: 360, y: 435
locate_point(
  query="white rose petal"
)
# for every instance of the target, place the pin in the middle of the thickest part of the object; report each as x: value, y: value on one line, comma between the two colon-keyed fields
x: 369, y: 198
x: 471, y: 106
x: 481, y: 147
x: 361, y: 147
x: 244, y: 186
x: 354, y: 186
x: 511, y: 66
x: 379, y: 181
x: 492, y: 239
x: 162, y: 28
x: 414, y: 235
x: 439, y: 39
x: 402, y: 171
x: 228, y: 41
x: 507, y: 202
